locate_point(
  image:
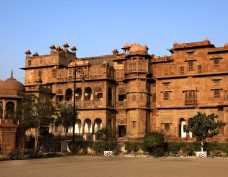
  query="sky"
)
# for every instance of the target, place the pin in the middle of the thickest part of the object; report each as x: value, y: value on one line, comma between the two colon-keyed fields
x: 96, y: 27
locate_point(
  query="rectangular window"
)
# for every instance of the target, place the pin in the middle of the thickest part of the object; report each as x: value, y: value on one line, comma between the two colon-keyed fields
x: 190, y: 52
x: 182, y: 70
x: 217, y: 93
x: 216, y: 81
x: 59, y: 98
x: 190, y: 65
x: 167, y: 127
x: 122, y: 97
x: 98, y: 95
x: 165, y: 84
x: 29, y: 62
x: 133, y: 124
x: 70, y: 72
x: 216, y: 62
x: 191, y: 98
x: 166, y: 95
x: 199, y: 68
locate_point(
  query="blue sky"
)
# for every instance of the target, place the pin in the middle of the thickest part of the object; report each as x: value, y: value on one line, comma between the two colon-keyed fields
x: 98, y: 26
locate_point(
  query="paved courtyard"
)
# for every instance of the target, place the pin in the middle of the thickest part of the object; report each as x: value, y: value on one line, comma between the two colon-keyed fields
x: 87, y: 166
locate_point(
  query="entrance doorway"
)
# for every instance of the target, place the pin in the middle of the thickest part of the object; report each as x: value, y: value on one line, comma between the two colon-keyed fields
x: 122, y: 130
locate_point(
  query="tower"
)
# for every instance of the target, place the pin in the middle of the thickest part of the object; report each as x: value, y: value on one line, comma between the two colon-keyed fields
x: 137, y: 77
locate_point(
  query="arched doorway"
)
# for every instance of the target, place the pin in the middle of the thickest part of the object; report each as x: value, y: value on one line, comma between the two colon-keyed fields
x: 10, y: 110
x: 182, y: 125
x: 88, y: 126
x: 97, y: 125
x: 68, y: 95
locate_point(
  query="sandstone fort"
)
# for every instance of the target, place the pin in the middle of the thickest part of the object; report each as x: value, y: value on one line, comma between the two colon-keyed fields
x: 132, y: 91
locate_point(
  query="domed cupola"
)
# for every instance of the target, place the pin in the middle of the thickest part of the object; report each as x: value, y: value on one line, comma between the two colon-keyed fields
x: 138, y: 50
x: 11, y: 88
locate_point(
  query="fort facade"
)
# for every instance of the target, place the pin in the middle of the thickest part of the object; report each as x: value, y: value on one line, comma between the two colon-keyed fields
x: 134, y: 92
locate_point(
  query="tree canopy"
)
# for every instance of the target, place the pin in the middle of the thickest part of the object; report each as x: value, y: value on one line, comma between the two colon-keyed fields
x: 33, y: 112
x: 204, y: 126
x: 65, y: 115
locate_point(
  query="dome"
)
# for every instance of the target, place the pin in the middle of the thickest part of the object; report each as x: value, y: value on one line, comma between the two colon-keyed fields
x: 138, y: 50
x: 11, y: 87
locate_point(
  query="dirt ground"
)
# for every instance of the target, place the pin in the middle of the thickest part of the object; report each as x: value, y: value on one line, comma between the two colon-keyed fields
x: 88, y: 166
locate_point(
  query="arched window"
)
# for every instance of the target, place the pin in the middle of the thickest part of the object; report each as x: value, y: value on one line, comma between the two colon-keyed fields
x: 10, y: 110
x: 182, y: 125
x: 88, y: 126
x: 88, y: 93
x: 78, y: 94
x: 78, y: 126
x: 68, y: 96
x: 97, y: 124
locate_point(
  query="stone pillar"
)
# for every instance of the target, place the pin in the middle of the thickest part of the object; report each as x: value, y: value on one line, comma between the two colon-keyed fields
x: 83, y: 94
x: 8, y: 136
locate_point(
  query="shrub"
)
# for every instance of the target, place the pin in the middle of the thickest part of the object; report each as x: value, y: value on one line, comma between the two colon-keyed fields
x: 153, y: 140
x: 187, y: 148
x: 217, y: 149
x: 16, y: 155
x: 214, y: 149
x: 133, y: 146
x: 100, y: 146
x: 154, y: 143
x: 173, y: 147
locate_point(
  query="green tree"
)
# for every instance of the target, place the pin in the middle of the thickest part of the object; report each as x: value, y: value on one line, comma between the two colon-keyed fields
x: 65, y: 115
x: 26, y: 111
x: 204, y: 126
x: 37, y: 113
